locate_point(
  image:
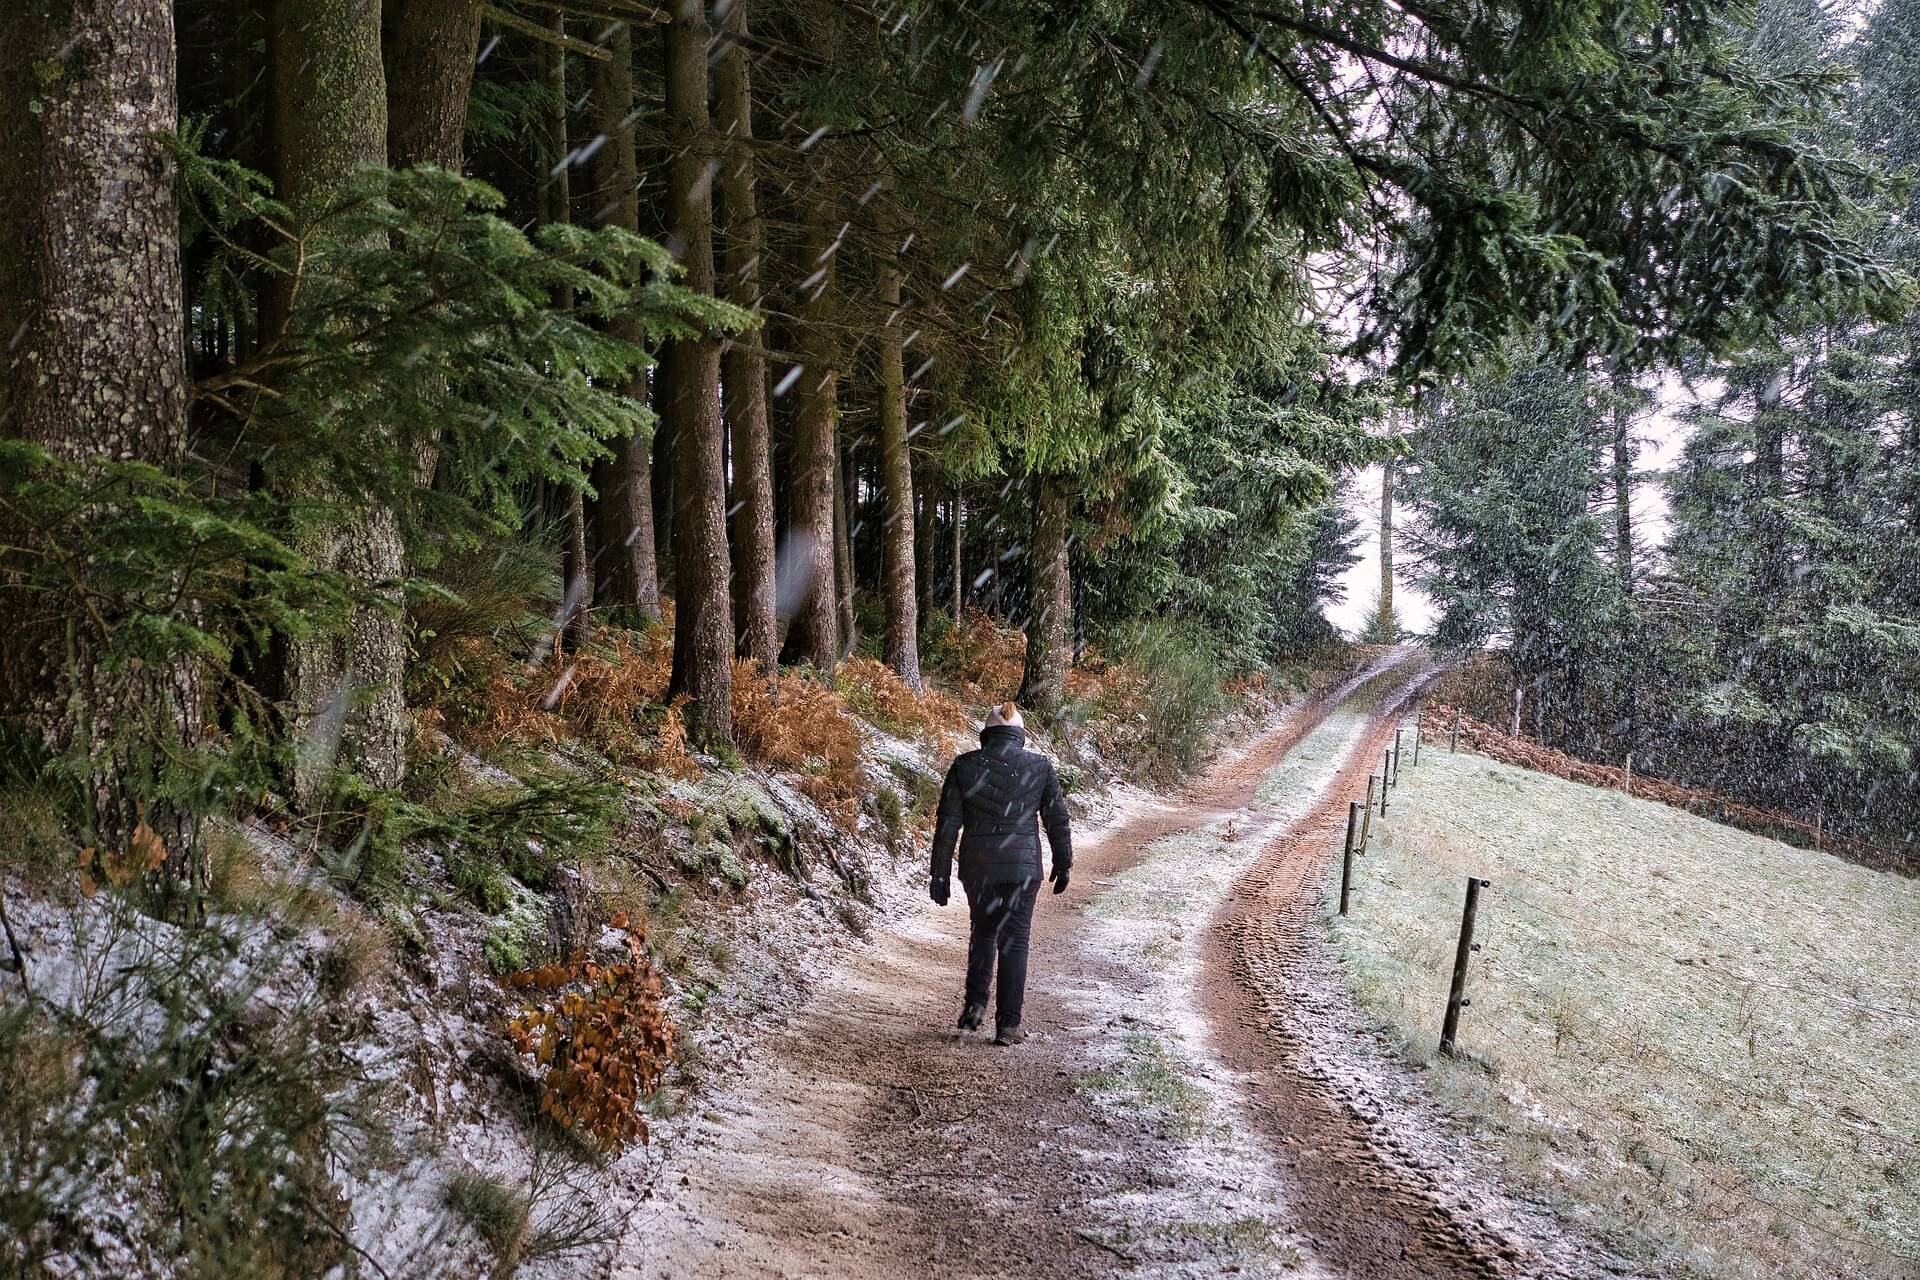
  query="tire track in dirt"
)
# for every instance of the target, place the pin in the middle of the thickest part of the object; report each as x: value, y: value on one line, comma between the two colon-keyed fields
x: 872, y: 1140
x: 1369, y: 1202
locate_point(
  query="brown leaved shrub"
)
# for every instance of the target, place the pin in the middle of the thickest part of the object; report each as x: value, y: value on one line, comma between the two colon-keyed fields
x: 607, y: 693
x: 601, y: 1041
x: 876, y: 691
x: 794, y: 724
x: 607, y: 688
x: 983, y: 661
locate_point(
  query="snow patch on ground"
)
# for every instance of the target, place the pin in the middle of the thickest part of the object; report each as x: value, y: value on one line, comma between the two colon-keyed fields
x: 1225, y: 1189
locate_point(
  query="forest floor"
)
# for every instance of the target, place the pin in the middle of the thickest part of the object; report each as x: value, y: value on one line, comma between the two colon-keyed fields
x: 1198, y: 1096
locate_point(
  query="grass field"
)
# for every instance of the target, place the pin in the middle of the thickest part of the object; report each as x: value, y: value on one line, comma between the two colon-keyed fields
x: 1702, y: 1044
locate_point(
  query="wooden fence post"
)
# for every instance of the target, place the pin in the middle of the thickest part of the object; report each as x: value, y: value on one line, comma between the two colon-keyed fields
x: 1366, y: 817
x: 1346, y: 857
x: 1453, y: 744
x: 1457, y: 992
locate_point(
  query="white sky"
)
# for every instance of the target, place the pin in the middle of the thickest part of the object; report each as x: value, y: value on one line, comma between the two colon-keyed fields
x: 1661, y: 436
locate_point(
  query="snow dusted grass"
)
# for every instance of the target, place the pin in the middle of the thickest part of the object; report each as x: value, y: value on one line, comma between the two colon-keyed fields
x: 1704, y: 1044
x: 1220, y: 1198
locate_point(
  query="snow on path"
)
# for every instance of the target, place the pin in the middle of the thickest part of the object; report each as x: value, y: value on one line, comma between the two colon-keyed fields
x: 869, y: 1140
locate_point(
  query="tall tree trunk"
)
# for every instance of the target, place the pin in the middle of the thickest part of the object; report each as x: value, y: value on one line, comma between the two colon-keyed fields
x: 703, y: 613
x: 813, y: 635
x: 429, y: 52
x: 744, y: 365
x: 329, y: 121
x: 898, y: 583
x: 1386, y: 625
x: 90, y: 286
x: 626, y: 573
x: 574, y: 567
x: 844, y: 487
x: 1048, y: 627
x: 662, y: 472
x: 926, y: 511
x: 1623, y: 487
x: 959, y: 556
x: 1769, y: 449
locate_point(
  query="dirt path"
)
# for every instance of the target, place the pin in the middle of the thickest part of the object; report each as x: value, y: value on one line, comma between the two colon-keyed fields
x: 1371, y: 1212
x: 1145, y: 1128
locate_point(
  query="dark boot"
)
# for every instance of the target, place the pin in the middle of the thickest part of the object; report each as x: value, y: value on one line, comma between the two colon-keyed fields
x: 971, y: 1015
x: 1010, y: 1035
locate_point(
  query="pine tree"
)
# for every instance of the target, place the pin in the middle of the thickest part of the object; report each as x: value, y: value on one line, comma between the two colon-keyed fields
x: 1506, y: 540
x: 1385, y: 625
x: 330, y: 122
x: 703, y: 611
x: 428, y: 47
x: 626, y: 574
x: 897, y: 534
x: 95, y: 375
x: 814, y: 633
x: 744, y: 364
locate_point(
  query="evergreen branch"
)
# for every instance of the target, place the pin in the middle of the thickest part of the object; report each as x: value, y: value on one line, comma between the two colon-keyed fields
x: 533, y: 30
x: 610, y: 10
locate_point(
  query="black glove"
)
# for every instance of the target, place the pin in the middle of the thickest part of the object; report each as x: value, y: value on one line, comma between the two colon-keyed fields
x: 1059, y: 879
x: 937, y: 889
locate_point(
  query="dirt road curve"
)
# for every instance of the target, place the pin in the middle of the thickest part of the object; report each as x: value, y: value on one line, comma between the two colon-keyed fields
x: 1163, y: 1119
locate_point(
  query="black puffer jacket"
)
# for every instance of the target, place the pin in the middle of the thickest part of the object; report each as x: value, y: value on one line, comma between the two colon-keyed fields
x: 989, y: 805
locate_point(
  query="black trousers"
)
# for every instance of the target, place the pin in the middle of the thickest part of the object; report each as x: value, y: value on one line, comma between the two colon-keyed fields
x: 1002, y: 917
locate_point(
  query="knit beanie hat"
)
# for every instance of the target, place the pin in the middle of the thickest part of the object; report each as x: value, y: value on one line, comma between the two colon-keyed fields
x: 1005, y: 714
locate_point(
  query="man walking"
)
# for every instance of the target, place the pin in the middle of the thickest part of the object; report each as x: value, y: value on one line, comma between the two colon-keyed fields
x: 991, y: 805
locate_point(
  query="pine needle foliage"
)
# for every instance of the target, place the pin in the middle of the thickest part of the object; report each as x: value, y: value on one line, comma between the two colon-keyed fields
x: 422, y: 325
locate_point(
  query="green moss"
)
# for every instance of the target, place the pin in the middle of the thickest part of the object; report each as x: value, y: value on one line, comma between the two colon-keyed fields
x: 517, y: 938
x: 748, y: 809
x: 480, y: 879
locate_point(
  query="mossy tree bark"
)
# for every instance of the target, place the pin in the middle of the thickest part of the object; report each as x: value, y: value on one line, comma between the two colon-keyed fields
x: 90, y: 285
x: 1049, y: 626
x: 703, y: 612
x: 626, y: 569
x: 744, y: 364
x: 429, y: 53
x: 896, y: 465
x: 329, y: 112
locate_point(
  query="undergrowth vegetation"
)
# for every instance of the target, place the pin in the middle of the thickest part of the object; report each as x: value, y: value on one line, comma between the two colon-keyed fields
x: 549, y: 789
x: 601, y: 1041
x: 156, y: 1107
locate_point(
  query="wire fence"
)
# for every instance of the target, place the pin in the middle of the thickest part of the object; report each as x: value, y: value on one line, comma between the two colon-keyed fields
x: 1492, y: 957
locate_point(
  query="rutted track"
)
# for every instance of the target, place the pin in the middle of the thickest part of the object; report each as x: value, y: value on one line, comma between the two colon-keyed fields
x: 871, y: 1140
x: 1370, y: 1194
